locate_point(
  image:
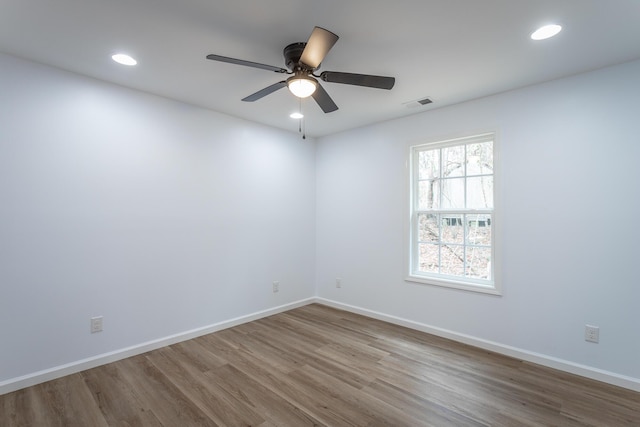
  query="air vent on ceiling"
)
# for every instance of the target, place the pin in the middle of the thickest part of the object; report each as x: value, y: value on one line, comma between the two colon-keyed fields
x: 418, y: 102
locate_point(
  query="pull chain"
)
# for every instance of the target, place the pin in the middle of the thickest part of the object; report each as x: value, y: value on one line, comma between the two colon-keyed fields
x: 300, y: 111
x: 301, y: 126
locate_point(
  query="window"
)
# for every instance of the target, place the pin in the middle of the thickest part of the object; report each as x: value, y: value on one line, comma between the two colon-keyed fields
x: 452, y: 218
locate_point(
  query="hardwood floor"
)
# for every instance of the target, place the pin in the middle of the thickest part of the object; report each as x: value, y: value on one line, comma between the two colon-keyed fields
x: 319, y: 366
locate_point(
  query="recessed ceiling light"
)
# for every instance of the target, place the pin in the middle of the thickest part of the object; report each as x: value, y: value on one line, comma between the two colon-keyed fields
x: 546, y: 32
x: 296, y: 115
x: 123, y: 59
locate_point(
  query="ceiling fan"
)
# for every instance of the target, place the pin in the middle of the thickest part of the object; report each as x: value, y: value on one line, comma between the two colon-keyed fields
x: 302, y: 60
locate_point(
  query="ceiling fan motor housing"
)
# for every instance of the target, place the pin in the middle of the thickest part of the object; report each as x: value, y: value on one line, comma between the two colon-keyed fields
x: 292, y: 54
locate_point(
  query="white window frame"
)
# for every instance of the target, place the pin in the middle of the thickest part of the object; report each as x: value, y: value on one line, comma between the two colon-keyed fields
x: 492, y: 286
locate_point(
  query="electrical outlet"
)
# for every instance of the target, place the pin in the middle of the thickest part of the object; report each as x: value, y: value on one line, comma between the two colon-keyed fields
x: 591, y: 333
x: 338, y: 282
x: 96, y: 324
x: 276, y: 287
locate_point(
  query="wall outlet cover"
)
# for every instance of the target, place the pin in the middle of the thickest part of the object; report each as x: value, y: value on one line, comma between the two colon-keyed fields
x: 96, y: 324
x: 591, y: 333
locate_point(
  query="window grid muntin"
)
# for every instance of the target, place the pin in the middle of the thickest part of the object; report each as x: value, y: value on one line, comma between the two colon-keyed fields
x: 465, y: 245
x: 415, y: 201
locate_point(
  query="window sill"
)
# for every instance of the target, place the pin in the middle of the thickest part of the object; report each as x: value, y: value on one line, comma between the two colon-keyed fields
x: 453, y: 284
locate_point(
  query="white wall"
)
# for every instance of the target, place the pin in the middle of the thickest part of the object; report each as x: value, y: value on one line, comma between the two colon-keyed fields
x: 165, y: 218
x: 159, y: 216
x: 570, y: 194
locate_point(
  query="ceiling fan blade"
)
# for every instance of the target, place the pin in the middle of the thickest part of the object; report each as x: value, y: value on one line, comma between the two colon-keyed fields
x: 324, y: 100
x: 378, y: 82
x: 319, y: 44
x: 245, y: 63
x: 264, y: 92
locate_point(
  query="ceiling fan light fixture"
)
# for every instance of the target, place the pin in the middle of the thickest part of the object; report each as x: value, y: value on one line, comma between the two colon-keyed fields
x: 302, y: 85
x: 296, y: 115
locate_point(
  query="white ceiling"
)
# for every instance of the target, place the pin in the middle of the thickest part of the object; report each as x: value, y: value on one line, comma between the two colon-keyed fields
x: 448, y: 50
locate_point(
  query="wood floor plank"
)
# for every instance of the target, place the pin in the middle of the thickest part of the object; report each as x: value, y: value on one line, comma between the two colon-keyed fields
x: 269, y: 354
x: 312, y: 320
x: 272, y: 406
x: 219, y: 404
x: 198, y: 356
x: 327, y: 410
x: 267, y: 375
x: 319, y: 366
x: 116, y: 399
x: 420, y: 408
x: 72, y: 403
x: 460, y: 400
x: 283, y: 333
x: 23, y: 408
x: 156, y: 392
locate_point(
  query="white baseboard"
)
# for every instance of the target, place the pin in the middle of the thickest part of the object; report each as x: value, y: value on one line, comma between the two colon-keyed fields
x: 102, y: 359
x: 18, y: 383
x: 540, y: 359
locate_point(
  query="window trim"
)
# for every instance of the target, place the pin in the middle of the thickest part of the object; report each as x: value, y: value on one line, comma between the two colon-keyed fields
x: 494, y: 287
